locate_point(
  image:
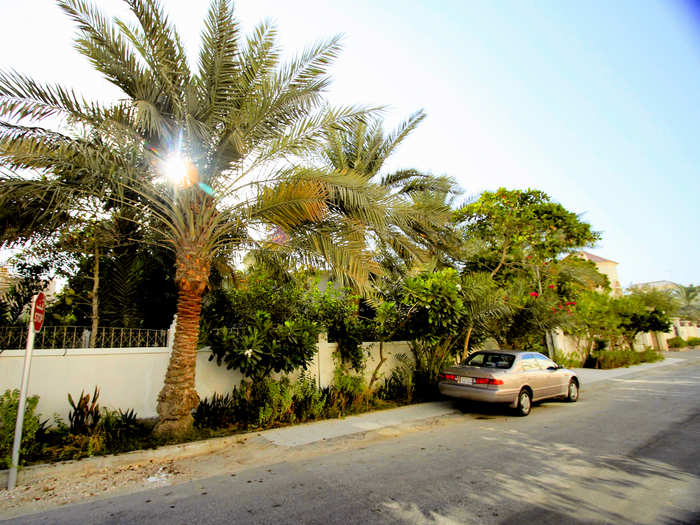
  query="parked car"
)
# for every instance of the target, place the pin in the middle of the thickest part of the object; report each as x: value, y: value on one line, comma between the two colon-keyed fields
x: 509, y: 376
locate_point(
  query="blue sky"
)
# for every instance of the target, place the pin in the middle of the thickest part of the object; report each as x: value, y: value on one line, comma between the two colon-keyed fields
x: 594, y: 102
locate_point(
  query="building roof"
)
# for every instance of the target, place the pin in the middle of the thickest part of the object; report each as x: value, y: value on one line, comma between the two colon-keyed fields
x: 655, y: 284
x: 596, y: 259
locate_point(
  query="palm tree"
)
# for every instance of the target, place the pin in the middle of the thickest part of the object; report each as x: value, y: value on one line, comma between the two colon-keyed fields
x: 206, y: 156
x: 416, y: 206
x: 689, y: 299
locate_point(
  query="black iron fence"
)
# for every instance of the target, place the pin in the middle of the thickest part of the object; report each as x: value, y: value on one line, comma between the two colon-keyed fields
x: 15, y: 337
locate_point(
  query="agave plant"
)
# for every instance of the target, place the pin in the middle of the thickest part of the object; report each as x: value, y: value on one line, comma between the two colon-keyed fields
x: 208, y: 156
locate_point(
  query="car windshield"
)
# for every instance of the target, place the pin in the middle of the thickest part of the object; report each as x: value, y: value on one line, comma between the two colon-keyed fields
x: 490, y: 360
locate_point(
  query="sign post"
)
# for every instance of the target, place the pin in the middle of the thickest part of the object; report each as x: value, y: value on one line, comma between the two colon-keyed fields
x: 36, y: 320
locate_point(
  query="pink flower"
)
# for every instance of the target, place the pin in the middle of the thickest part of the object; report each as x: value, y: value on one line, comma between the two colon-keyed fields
x: 534, y: 294
x: 551, y: 286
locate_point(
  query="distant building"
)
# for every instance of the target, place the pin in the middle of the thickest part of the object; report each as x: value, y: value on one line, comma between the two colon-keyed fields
x: 6, y: 279
x: 607, y: 268
x: 657, y: 285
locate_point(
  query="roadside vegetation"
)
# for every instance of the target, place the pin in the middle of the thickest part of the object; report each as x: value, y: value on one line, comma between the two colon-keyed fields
x: 233, y: 195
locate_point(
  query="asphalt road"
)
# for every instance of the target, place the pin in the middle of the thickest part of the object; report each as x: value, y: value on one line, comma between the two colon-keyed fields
x: 627, y: 452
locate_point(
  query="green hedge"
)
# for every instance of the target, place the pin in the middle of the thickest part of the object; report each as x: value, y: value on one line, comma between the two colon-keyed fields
x: 677, y: 342
x: 621, y: 358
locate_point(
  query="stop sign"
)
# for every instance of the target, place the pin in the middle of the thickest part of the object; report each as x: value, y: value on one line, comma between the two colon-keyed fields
x: 39, y: 310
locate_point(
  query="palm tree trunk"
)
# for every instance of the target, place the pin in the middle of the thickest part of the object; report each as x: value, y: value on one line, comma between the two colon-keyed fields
x: 178, y: 397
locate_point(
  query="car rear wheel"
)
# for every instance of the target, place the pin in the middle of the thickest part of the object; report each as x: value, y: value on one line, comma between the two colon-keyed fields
x: 572, y: 393
x: 524, y: 403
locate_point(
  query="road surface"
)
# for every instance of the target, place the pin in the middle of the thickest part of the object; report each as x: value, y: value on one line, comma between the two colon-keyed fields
x: 627, y: 452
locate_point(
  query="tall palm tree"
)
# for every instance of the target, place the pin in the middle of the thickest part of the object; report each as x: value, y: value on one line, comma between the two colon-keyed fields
x: 416, y: 206
x: 206, y: 156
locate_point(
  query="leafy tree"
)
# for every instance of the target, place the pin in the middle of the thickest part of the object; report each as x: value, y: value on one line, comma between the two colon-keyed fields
x: 633, y: 323
x: 262, y: 326
x: 516, y: 226
x: 220, y: 135
x: 595, y: 319
x: 644, y: 310
x: 520, y: 237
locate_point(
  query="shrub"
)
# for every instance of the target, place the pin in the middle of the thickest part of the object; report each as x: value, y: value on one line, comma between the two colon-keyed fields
x: 622, y: 358
x: 347, y: 394
x: 309, y: 401
x: 32, y: 429
x: 400, y: 385
x: 568, y: 360
x: 215, y: 413
x: 694, y: 341
x: 263, y: 403
x: 274, y: 401
x: 676, y: 342
x: 85, y: 414
x: 121, y: 431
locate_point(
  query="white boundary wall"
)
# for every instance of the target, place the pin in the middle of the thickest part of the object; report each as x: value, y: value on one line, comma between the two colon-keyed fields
x: 657, y: 340
x: 131, y: 378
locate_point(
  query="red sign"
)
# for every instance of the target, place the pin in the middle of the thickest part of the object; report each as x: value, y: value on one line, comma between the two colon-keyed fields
x: 39, y: 310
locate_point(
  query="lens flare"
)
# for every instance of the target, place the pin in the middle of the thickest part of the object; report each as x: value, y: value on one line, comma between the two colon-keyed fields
x: 179, y: 171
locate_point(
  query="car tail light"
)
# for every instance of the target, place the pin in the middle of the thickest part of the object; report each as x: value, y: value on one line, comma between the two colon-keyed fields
x: 488, y: 381
x: 448, y: 377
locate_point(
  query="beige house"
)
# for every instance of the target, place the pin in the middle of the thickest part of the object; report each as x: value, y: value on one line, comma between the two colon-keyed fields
x: 659, y: 341
x: 607, y: 268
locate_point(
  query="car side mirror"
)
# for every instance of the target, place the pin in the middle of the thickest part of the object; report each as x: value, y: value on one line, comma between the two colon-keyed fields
x: 555, y: 367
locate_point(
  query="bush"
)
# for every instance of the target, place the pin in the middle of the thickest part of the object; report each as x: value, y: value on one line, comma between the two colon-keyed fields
x: 348, y: 394
x: 94, y: 431
x: 121, y: 431
x: 400, y: 386
x: 676, y: 342
x: 622, y: 358
x: 262, y: 403
x: 309, y: 401
x: 85, y: 414
x: 567, y: 360
x: 215, y: 413
x: 694, y: 341
x: 31, y: 431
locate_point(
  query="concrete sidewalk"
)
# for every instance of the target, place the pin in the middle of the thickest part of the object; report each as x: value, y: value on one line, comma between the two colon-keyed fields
x: 297, y: 435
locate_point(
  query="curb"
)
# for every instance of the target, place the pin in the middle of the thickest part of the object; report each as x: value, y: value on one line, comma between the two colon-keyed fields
x: 85, y: 466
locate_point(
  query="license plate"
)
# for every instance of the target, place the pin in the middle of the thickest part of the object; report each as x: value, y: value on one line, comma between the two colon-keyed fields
x: 465, y: 380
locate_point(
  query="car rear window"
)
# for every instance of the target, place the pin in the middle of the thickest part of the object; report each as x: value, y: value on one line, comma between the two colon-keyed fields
x: 490, y: 360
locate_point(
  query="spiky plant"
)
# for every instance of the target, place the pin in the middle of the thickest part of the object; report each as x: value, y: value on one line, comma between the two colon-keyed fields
x: 205, y: 155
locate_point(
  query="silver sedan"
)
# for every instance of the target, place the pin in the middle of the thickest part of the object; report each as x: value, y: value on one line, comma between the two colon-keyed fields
x: 509, y: 376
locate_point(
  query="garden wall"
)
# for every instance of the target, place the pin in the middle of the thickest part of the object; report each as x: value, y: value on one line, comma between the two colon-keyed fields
x: 657, y: 340
x: 132, y: 377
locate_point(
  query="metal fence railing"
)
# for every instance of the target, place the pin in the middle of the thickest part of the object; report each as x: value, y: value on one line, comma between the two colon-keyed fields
x: 15, y: 337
